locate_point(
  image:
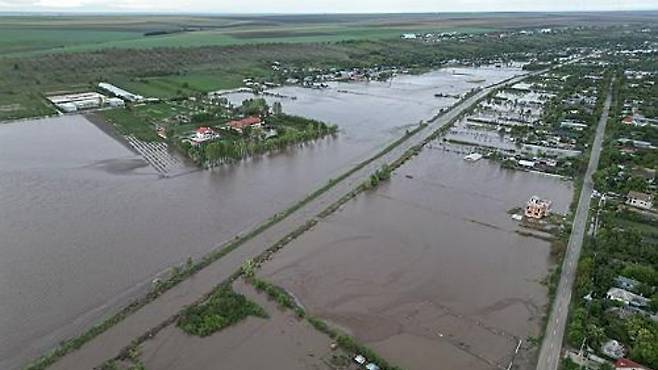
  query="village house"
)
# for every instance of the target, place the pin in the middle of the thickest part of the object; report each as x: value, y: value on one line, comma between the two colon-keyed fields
x: 613, y: 349
x: 204, y: 134
x: 537, y: 208
x: 241, y: 124
x: 639, y: 200
x: 626, y: 364
x: 627, y: 298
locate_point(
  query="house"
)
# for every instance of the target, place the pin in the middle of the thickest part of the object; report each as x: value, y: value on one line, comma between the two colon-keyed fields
x: 626, y: 364
x: 613, y: 349
x: 203, y: 134
x: 628, y: 120
x: 537, y: 207
x: 639, y: 200
x: 241, y: 124
x: 626, y: 297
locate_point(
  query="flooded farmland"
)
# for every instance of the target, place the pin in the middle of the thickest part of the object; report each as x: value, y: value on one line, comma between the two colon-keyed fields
x: 429, y: 268
x: 86, y: 223
x: 282, y: 341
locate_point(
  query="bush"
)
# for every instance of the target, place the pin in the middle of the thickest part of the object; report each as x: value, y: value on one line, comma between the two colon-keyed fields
x: 222, y: 309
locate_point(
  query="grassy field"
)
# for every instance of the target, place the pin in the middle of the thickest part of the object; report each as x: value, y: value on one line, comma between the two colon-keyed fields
x: 22, y: 41
x: 184, y: 84
x: 27, y: 42
x: 33, y: 35
x: 23, y: 105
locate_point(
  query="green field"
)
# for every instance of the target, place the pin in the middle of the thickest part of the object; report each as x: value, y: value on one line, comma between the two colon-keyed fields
x: 23, y: 105
x: 174, y: 56
x: 26, y: 42
x: 184, y: 84
x: 21, y: 41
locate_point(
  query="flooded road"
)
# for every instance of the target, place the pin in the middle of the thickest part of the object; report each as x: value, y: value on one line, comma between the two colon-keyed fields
x: 86, y: 224
x: 429, y: 267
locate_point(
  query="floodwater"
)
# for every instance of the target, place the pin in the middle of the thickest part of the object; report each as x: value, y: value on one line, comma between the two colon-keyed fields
x: 429, y: 268
x: 282, y: 341
x: 86, y: 223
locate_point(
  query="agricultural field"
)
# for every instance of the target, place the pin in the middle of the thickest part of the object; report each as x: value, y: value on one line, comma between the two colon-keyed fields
x: 29, y: 35
x: 23, y: 105
x: 25, y: 36
x: 178, y: 56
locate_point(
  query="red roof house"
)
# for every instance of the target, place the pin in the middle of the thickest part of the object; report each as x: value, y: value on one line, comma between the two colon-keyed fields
x: 239, y: 125
x: 204, y: 134
x: 626, y: 364
x: 204, y: 131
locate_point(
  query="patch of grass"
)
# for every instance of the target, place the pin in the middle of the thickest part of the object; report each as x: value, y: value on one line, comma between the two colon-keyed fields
x: 278, y: 294
x: 186, y: 84
x: 644, y: 228
x: 23, y: 105
x: 224, y: 308
x: 17, y: 41
x: 129, y: 122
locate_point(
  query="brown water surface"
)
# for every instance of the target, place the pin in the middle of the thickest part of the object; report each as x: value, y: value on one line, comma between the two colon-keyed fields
x: 86, y: 224
x: 428, y: 269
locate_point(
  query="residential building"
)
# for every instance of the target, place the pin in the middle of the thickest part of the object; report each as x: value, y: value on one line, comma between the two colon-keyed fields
x: 537, y: 208
x: 639, y: 200
x: 626, y: 364
x: 613, y: 349
x: 241, y: 124
x: 204, y: 134
x: 627, y: 298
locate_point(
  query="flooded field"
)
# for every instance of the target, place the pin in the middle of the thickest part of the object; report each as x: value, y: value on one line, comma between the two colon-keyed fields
x: 429, y: 268
x: 87, y: 223
x: 281, y: 341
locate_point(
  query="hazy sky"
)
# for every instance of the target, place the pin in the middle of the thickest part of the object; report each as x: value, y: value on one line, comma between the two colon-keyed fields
x: 322, y: 6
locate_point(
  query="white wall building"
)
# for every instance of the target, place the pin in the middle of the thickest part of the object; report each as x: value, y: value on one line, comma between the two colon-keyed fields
x: 639, y: 200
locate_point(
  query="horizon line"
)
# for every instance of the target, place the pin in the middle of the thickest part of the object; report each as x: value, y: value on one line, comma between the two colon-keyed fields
x: 210, y: 13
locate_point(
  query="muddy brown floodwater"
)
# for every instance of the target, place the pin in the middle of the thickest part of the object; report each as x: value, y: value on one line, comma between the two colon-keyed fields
x: 428, y: 269
x: 86, y: 223
x: 281, y: 341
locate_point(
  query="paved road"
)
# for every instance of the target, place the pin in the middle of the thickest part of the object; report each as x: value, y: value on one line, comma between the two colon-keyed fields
x: 549, y: 356
x: 108, y: 344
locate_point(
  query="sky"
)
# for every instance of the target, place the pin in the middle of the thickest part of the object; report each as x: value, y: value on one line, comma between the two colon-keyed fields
x: 320, y: 6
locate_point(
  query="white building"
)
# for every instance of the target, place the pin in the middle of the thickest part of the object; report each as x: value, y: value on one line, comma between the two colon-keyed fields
x: 69, y: 103
x: 639, y: 200
x: 120, y: 93
x: 204, y: 134
x: 613, y: 349
x: 627, y: 298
